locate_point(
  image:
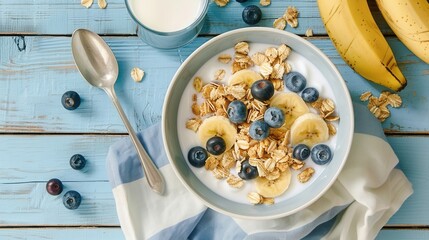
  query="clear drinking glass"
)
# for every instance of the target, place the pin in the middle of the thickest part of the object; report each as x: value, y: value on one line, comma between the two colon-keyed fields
x: 169, y: 39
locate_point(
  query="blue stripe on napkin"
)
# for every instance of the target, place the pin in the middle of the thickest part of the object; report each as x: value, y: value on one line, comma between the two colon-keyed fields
x: 128, y: 167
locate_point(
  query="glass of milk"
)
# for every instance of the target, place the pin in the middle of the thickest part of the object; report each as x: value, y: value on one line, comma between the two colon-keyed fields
x: 168, y: 23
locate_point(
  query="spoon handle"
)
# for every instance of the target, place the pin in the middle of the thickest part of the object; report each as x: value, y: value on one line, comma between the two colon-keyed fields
x: 153, y: 176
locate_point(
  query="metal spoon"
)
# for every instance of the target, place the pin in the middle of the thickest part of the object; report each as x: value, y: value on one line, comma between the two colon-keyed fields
x: 97, y: 64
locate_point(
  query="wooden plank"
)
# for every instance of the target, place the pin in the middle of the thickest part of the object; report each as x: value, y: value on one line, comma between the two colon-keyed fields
x: 28, y: 162
x: 412, y: 152
x: 28, y: 204
x: 415, y: 234
x: 114, y: 233
x: 63, y: 17
x: 33, y: 79
x: 33, y: 158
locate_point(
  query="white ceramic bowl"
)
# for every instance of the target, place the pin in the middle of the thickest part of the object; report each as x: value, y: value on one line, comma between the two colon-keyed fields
x: 170, y: 129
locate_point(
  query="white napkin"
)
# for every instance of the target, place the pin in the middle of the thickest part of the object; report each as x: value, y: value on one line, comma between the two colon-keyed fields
x: 368, y: 191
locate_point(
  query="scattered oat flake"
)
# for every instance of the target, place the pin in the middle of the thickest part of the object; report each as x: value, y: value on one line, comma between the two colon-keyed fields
x: 255, y: 198
x: 378, y: 105
x: 332, y: 129
x: 198, y: 84
x: 394, y: 100
x: 220, y: 172
x: 265, y: 69
x: 219, y: 74
x: 137, y: 74
x: 234, y: 181
x: 279, y: 23
x: 305, y: 175
x: 309, y: 32
x: 259, y: 58
x: 224, y: 58
x: 86, y: 3
x: 242, y: 47
x: 221, y: 3
x: 365, y: 96
x: 283, y: 52
x: 265, y: 2
x: 211, y: 163
x: 291, y: 16
x: 193, y: 124
x: 102, y: 4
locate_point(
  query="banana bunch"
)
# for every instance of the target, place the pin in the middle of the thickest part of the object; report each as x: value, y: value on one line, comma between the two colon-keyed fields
x: 359, y: 41
x: 409, y: 20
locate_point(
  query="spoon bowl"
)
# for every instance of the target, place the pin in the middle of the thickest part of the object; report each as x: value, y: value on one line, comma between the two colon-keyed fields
x: 97, y: 64
x: 94, y: 59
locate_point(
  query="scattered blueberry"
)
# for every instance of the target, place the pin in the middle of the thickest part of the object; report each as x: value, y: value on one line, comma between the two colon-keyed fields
x: 248, y: 171
x: 295, y: 81
x: 72, y: 199
x: 259, y: 130
x: 301, y: 152
x: 310, y: 95
x: 197, y: 156
x: 241, y: 1
x: 262, y: 90
x: 321, y: 154
x: 77, y: 162
x: 54, y: 186
x: 216, y: 145
x: 274, y: 117
x: 70, y: 100
x: 251, y: 14
x: 237, y: 111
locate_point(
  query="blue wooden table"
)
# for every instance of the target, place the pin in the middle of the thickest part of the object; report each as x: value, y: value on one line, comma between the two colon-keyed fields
x: 38, y: 136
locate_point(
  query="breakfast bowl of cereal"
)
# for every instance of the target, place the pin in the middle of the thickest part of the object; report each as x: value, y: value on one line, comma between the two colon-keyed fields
x: 257, y: 123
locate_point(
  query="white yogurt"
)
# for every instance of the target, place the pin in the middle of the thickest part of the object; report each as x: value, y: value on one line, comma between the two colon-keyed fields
x: 166, y: 15
x: 189, y: 139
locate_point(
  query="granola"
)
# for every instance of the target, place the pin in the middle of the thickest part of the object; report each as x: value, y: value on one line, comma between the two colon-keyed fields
x: 272, y: 157
x: 378, y: 106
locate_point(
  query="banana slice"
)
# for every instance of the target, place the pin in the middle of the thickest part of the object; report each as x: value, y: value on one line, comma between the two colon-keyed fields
x: 291, y: 104
x: 245, y: 76
x: 273, y: 188
x: 309, y: 129
x: 217, y: 126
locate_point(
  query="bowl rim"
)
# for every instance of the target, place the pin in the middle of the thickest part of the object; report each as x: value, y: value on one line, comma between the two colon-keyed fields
x: 347, y: 101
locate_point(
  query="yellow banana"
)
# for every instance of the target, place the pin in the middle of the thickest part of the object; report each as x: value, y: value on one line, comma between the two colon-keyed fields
x: 409, y: 20
x: 359, y: 41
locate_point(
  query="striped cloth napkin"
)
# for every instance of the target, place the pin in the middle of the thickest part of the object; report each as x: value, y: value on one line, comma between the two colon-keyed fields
x: 368, y: 191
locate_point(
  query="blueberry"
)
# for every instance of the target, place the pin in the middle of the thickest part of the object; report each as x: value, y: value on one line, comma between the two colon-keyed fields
x: 77, y: 162
x: 216, y: 145
x: 241, y: 1
x: 262, y: 90
x: 54, y: 186
x: 259, y: 130
x: 301, y: 152
x: 321, y: 154
x: 295, y: 82
x: 70, y: 100
x: 274, y: 117
x: 251, y: 14
x: 310, y: 95
x: 72, y: 199
x: 237, y: 111
x: 197, y: 156
x: 248, y: 171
